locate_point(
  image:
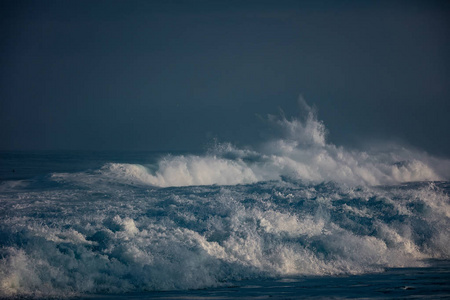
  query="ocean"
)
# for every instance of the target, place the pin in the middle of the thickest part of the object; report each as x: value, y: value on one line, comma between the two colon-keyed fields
x: 297, y: 218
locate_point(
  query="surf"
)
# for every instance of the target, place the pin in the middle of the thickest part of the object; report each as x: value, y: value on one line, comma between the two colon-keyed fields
x: 295, y: 206
x: 300, y: 152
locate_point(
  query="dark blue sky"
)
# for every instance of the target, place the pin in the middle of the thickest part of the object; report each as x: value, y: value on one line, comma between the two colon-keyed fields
x: 172, y: 75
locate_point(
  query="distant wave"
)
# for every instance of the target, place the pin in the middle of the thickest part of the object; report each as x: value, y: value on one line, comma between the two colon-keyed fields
x: 301, y: 152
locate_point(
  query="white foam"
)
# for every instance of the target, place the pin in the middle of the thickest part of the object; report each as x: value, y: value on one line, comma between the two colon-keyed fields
x: 133, y: 239
x: 186, y: 170
x: 307, y: 207
x: 300, y: 153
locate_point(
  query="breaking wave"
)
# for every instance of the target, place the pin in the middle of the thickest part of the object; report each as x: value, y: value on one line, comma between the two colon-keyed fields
x: 112, y: 239
x: 301, y: 153
x: 296, y: 206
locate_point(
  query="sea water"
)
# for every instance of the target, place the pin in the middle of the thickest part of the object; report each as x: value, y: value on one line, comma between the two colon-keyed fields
x: 294, y: 217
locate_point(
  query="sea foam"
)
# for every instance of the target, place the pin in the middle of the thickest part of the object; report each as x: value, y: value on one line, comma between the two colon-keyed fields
x: 295, y: 206
x: 301, y: 153
x: 126, y: 238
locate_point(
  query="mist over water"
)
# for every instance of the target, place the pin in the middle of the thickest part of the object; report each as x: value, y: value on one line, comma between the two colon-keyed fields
x: 298, y: 205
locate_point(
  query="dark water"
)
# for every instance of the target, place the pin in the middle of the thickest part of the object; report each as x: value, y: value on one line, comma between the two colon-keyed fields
x: 432, y: 282
x: 19, y: 165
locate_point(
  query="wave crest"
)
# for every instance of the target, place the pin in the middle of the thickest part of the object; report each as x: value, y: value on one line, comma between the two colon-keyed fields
x: 300, y: 153
x: 185, y: 171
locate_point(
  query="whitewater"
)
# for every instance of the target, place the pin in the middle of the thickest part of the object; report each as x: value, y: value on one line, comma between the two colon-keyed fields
x: 76, y: 224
